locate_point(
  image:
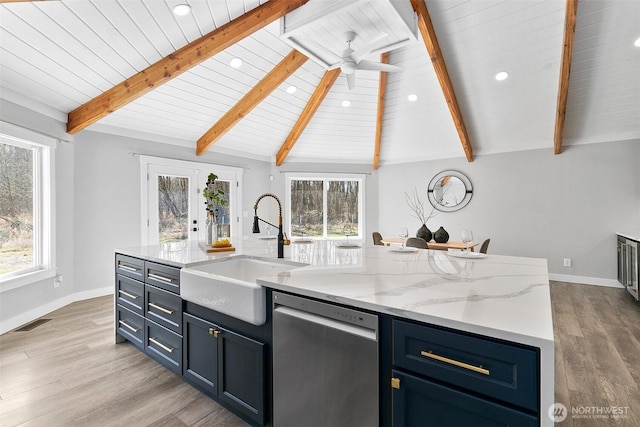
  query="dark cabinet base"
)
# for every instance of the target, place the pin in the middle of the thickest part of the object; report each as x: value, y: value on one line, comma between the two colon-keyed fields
x: 421, y: 403
x: 225, y: 365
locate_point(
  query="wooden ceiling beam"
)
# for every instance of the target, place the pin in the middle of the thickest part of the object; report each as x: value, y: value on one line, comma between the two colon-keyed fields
x: 431, y: 42
x: 325, y: 85
x: 382, y: 88
x: 565, y: 72
x: 256, y: 95
x: 178, y: 62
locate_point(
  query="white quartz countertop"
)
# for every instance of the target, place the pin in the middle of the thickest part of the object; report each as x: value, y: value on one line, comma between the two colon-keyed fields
x: 500, y: 296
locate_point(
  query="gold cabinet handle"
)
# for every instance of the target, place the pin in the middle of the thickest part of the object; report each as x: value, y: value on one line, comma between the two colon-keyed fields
x: 215, y: 332
x: 127, y: 294
x: 131, y: 328
x: 126, y: 267
x: 162, y: 346
x: 395, y: 383
x: 164, y: 279
x: 479, y: 369
x: 162, y: 309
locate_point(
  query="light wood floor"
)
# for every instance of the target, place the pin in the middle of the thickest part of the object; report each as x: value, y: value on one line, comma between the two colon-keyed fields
x: 597, y: 333
x: 69, y: 372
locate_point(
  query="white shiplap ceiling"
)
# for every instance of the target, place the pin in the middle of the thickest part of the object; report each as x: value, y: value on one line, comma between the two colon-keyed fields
x: 58, y: 55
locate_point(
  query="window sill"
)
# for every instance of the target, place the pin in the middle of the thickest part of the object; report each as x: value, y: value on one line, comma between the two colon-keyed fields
x: 26, y: 279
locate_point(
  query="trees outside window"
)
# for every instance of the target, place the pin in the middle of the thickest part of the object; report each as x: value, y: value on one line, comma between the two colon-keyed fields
x: 325, y: 207
x: 26, y: 214
x: 16, y: 208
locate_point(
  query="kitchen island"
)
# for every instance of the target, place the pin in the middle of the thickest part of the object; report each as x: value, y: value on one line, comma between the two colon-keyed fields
x: 498, y: 298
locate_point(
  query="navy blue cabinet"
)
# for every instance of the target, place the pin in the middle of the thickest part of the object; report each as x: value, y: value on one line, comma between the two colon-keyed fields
x: 443, y: 377
x: 149, y: 309
x: 200, y: 356
x: 226, y: 365
x: 418, y: 402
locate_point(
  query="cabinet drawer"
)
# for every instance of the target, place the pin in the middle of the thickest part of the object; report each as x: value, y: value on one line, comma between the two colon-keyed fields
x: 164, y: 346
x: 164, y: 308
x: 421, y: 403
x: 130, y: 326
x: 498, y: 369
x: 129, y: 266
x: 162, y: 276
x: 130, y: 294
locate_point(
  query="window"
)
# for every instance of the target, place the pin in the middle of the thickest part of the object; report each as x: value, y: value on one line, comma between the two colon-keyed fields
x: 327, y: 206
x: 26, y: 189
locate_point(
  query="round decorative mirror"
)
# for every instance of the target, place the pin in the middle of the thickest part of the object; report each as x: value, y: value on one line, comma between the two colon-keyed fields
x: 449, y: 191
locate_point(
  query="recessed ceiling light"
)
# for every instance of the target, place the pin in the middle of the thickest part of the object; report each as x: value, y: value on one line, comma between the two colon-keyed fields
x: 502, y: 75
x: 346, y: 103
x: 181, y: 9
x: 637, y: 42
x: 412, y: 97
x: 291, y: 89
x: 235, y: 62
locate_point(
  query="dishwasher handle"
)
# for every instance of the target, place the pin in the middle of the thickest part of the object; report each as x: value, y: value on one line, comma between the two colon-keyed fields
x: 367, y: 333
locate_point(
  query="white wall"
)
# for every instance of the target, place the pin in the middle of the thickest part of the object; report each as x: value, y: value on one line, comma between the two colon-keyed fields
x: 534, y: 204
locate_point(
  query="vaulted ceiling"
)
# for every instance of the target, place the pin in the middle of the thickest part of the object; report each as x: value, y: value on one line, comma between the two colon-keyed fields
x: 58, y: 57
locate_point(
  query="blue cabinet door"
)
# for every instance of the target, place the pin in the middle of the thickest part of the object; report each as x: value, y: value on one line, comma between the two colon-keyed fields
x: 200, y: 355
x: 421, y: 403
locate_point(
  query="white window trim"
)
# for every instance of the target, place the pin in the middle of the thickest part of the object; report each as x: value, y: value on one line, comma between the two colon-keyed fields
x: 330, y: 177
x: 202, y: 169
x: 44, y: 180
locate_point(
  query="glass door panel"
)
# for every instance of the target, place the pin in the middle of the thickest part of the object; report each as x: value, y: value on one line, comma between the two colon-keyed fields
x: 173, y: 208
x: 173, y: 212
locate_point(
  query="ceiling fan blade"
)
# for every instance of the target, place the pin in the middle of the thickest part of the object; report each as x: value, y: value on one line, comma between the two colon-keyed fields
x: 351, y: 80
x: 369, y: 47
x: 377, y: 66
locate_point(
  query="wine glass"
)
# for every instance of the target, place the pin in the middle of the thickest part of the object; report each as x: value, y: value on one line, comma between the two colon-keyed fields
x: 347, y: 231
x: 404, y: 234
x: 467, y: 237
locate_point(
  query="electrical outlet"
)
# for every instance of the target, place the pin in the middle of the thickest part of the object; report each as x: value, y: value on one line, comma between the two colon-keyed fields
x: 57, y: 280
x: 567, y: 262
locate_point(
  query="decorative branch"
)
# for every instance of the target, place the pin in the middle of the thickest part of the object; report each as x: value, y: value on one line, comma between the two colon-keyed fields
x: 417, y: 207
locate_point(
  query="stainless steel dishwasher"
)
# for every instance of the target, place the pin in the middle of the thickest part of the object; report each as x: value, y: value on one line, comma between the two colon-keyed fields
x: 325, y: 364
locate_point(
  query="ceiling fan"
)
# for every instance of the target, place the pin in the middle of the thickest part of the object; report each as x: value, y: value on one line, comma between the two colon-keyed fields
x: 351, y: 60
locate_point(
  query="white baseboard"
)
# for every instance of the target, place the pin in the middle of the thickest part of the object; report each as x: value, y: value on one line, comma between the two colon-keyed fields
x: 586, y: 280
x: 43, y: 310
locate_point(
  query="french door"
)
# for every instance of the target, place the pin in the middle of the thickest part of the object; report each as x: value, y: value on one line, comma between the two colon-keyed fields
x: 173, y: 208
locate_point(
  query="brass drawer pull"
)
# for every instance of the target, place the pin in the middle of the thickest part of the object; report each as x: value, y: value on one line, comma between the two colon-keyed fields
x: 131, y: 328
x: 214, y: 332
x: 127, y: 294
x: 162, y: 309
x: 126, y: 267
x: 479, y: 369
x: 395, y: 383
x: 162, y: 346
x: 164, y: 279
